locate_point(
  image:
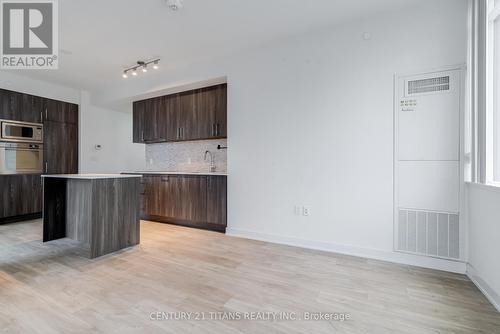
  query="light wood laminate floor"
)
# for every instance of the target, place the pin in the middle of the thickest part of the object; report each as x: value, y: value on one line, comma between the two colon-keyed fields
x: 53, y: 288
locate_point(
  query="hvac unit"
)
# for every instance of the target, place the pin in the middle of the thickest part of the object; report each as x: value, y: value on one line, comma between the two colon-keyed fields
x: 427, y: 164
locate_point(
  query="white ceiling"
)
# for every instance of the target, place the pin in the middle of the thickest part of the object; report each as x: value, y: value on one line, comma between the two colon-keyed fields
x: 104, y: 36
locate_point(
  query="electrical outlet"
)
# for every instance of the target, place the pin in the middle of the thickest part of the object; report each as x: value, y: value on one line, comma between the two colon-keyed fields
x: 306, y: 211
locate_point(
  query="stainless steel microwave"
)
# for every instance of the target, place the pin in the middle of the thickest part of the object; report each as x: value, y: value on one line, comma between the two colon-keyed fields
x: 14, y: 131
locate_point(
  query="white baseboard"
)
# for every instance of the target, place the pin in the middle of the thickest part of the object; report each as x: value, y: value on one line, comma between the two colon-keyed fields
x: 396, y: 257
x: 484, y: 287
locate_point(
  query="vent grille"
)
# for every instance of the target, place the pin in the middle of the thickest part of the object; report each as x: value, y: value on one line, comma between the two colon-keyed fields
x: 429, y: 233
x: 429, y: 85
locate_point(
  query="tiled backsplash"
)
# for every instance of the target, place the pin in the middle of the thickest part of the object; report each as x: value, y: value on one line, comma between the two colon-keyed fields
x: 186, y: 156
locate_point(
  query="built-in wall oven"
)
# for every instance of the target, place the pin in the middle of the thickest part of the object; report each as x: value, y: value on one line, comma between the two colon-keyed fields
x: 21, y: 148
x: 21, y: 158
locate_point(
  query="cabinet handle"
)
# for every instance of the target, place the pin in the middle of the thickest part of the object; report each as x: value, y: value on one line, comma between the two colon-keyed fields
x: 217, y: 129
x: 178, y: 132
x: 46, y: 113
x: 46, y: 167
x: 41, y: 116
x: 182, y: 133
x: 213, y: 129
x: 142, y: 136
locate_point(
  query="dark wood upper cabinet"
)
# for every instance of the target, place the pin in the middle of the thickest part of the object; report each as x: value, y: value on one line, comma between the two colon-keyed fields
x: 60, y: 149
x: 139, y: 108
x: 172, y: 105
x: 58, y: 111
x: 29, y: 108
x: 192, y: 115
x: 21, y: 107
x: 187, y: 117
x: 212, y: 109
x: 156, y: 120
x: 150, y: 121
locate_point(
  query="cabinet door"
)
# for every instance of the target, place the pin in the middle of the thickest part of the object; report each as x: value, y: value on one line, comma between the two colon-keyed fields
x: 192, y: 202
x: 60, y: 148
x: 188, y: 117
x: 217, y: 200
x: 21, y: 195
x: 11, y: 105
x: 139, y: 108
x: 6, y: 200
x: 182, y: 197
x: 21, y: 107
x: 211, y: 106
x: 4, y: 104
x: 33, y: 108
x: 171, y: 104
x: 27, y: 108
x: 221, y: 111
x: 155, y: 120
x: 206, y: 104
x: 59, y: 111
x: 35, y: 193
x: 150, y: 196
x: 149, y: 121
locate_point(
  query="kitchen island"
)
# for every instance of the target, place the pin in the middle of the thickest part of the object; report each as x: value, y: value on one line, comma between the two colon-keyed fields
x: 99, y: 210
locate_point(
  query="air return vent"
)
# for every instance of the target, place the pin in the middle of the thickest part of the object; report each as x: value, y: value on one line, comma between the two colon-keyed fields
x: 428, y: 233
x: 429, y: 85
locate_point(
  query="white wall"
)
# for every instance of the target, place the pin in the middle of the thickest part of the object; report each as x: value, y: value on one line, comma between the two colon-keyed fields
x: 113, y: 131
x: 310, y: 122
x: 315, y: 117
x: 484, y: 239
x: 19, y: 83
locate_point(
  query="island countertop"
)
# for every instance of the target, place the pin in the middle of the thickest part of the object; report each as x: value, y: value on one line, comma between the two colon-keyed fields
x: 91, y: 176
x: 175, y: 173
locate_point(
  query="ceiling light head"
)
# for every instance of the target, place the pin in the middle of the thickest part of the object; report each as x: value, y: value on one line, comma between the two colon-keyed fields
x: 140, y: 65
x: 174, y: 5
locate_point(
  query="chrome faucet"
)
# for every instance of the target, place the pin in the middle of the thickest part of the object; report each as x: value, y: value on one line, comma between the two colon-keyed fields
x: 212, y: 164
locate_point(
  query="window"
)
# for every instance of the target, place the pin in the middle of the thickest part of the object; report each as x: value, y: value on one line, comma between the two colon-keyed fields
x: 493, y: 93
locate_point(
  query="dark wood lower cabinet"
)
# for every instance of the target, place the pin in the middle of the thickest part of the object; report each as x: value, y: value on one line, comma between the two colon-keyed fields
x: 188, y: 200
x: 217, y: 200
x: 21, y: 197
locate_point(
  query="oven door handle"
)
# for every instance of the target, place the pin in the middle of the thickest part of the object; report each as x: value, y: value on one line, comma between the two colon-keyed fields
x: 23, y: 149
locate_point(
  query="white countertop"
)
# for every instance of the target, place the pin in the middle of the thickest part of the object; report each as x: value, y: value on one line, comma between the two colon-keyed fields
x: 178, y: 173
x: 91, y: 176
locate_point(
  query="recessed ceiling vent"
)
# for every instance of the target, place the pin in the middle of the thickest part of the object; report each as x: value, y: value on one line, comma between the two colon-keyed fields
x: 429, y: 85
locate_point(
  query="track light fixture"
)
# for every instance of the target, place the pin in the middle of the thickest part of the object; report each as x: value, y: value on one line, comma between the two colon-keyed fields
x: 142, y: 65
